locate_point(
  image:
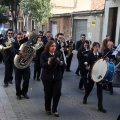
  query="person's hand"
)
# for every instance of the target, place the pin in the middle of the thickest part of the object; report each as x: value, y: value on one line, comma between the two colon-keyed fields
x: 61, y: 49
x: 50, y: 60
x: 27, y: 34
x: 61, y: 63
x: 87, y: 68
x: 21, y: 53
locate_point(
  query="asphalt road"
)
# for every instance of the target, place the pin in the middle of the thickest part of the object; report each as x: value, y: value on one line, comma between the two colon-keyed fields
x: 70, y: 105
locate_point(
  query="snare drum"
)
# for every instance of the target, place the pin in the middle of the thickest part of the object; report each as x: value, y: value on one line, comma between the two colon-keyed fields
x: 102, y: 71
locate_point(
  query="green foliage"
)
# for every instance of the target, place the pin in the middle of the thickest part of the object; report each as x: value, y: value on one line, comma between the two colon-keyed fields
x: 39, y: 10
x: 3, y: 9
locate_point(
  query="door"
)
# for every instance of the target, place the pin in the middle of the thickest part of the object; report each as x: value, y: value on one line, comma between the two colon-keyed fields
x: 54, y: 29
x: 80, y: 27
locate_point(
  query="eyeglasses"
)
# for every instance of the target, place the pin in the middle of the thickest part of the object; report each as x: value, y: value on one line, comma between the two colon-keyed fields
x: 19, y: 37
x: 10, y: 33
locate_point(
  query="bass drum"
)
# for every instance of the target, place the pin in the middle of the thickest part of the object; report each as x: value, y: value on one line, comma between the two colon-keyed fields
x: 102, y: 71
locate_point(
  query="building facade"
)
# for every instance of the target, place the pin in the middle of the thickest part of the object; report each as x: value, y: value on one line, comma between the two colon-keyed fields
x: 111, y: 20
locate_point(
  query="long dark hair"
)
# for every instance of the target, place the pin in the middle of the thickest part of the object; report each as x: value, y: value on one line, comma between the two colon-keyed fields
x: 48, y: 45
x: 94, y: 44
x: 82, y: 46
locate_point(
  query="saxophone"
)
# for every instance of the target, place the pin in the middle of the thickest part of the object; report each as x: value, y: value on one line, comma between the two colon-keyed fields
x: 23, y: 62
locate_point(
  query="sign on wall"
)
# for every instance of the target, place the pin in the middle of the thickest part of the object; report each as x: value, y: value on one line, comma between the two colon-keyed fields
x: 93, y: 23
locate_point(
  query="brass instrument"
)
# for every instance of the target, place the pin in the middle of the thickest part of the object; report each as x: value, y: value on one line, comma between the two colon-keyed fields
x: 70, y: 49
x: 8, y: 44
x: 23, y: 62
x: 62, y: 44
x: 38, y: 45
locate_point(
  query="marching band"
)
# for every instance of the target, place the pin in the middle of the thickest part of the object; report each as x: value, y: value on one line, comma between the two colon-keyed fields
x: 51, y: 58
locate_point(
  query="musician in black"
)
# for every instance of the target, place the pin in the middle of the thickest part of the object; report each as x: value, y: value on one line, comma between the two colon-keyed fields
x: 92, y: 57
x: 8, y: 57
x: 108, y: 53
x: 82, y: 57
x: 21, y: 73
x: 70, y: 46
x: 37, y: 67
x: 51, y: 63
x: 60, y: 46
x: 46, y: 38
x: 78, y: 45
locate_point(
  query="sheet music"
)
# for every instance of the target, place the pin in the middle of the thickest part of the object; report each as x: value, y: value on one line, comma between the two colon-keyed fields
x: 116, y: 50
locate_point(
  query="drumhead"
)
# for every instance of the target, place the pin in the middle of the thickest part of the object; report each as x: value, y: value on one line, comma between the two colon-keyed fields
x: 99, y: 70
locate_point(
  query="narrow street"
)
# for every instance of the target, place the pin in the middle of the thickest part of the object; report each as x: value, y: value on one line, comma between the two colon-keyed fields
x: 70, y: 106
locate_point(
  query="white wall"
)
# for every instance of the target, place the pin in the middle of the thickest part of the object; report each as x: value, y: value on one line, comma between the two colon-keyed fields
x: 94, y: 33
x: 108, y: 5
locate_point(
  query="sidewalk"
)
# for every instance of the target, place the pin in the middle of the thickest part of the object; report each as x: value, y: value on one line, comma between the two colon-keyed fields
x: 6, y: 111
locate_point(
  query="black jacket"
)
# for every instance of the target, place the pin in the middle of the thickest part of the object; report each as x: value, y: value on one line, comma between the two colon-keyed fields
x: 7, y: 54
x: 110, y: 56
x: 38, y: 53
x: 16, y: 45
x: 78, y: 44
x: 51, y: 71
x: 91, y: 59
x: 82, y: 56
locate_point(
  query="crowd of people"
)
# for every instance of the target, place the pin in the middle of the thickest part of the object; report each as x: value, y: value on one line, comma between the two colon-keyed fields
x: 51, y: 60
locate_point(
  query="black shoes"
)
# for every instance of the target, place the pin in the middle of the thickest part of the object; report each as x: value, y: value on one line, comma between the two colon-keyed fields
x: 102, y: 110
x: 5, y: 85
x: 77, y: 74
x: 38, y: 79
x: 56, y: 114
x: 19, y: 97
x: 48, y: 112
x: 10, y: 82
x: 25, y: 96
x: 84, y: 101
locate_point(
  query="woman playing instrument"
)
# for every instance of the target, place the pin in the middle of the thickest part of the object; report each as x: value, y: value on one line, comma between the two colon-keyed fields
x: 82, y: 55
x: 37, y: 67
x: 52, y: 63
x: 92, y: 57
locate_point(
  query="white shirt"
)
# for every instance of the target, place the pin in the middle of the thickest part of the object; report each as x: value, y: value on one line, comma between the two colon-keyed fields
x: 95, y: 53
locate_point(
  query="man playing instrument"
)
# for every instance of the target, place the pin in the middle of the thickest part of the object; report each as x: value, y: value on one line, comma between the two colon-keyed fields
x: 78, y: 45
x: 70, y: 45
x: 8, y: 57
x: 110, y: 58
x: 21, y: 73
x: 60, y: 45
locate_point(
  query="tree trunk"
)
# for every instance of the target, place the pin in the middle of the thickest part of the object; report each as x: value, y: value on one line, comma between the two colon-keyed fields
x: 15, y: 24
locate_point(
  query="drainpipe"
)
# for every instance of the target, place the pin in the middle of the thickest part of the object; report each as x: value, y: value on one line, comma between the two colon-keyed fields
x: 72, y: 28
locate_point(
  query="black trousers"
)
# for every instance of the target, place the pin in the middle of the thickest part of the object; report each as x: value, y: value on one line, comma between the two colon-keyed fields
x: 8, y: 71
x: 19, y: 75
x: 52, y: 90
x: 37, y: 69
x: 99, y: 92
x: 118, y: 117
x: 68, y: 60
x: 83, y: 80
x: 78, y: 68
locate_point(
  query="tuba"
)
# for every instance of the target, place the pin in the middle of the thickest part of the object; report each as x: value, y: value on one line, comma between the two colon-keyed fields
x: 23, y: 62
